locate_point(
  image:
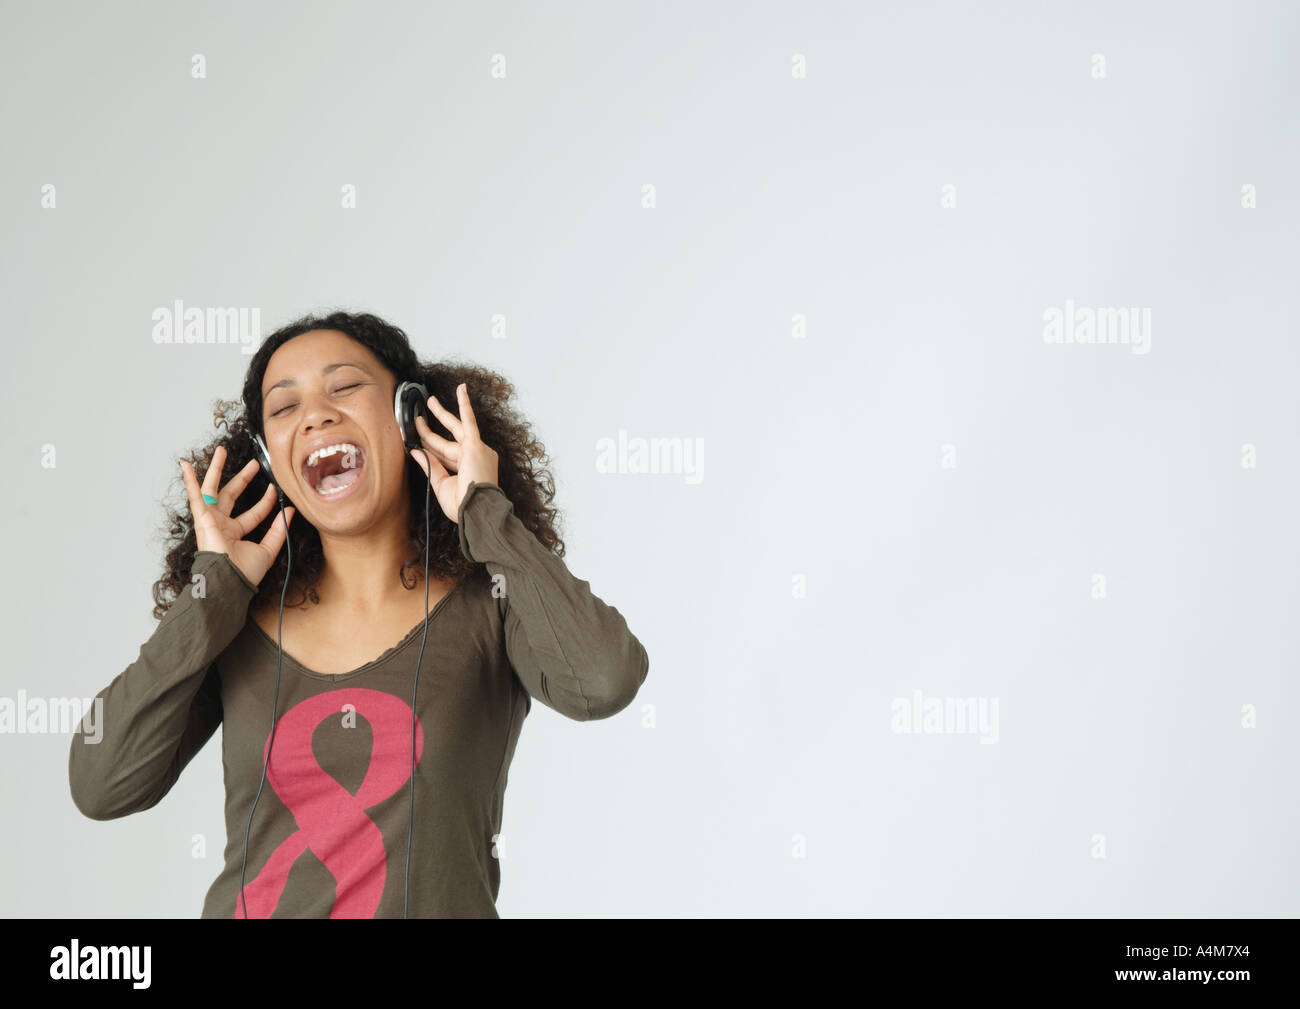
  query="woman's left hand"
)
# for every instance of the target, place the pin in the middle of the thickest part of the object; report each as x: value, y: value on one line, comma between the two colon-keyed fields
x: 468, y: 459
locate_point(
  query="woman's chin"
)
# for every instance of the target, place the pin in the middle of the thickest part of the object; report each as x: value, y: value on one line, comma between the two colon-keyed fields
x: 340, y: 512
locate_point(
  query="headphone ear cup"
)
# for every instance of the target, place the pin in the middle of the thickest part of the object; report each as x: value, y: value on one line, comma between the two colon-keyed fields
x: 414, y: 401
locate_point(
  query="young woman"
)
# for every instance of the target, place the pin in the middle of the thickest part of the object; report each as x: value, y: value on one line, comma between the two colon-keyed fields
x: 308, y: 656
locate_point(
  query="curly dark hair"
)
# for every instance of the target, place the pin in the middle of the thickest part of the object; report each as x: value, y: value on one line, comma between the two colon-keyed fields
x: 522, y: 470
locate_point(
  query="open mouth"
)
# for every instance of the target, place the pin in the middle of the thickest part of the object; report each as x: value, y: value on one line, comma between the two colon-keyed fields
x: 333, y: 470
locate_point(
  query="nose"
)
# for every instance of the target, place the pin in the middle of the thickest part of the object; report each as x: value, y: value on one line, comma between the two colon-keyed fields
x: 317, y: 414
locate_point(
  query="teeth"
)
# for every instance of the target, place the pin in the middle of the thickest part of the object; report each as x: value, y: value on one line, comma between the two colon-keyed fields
x: 329, y: 450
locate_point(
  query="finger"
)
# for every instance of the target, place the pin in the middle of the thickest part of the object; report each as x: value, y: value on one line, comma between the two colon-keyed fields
x: 192, y: 488
x: 449, y: 419
x: 439, y: 473
x: 466, y: 410
x: 442, y: 466
x: 275, y: 536
x: 212, y: 478
x: 441, y: 447
x: 235, y: 487
x: 253, y: 516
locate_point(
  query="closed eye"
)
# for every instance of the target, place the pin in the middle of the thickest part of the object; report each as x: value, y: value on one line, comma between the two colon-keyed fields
x: 290, y: 406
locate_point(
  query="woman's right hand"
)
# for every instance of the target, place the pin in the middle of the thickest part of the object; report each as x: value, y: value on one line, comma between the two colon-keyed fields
x: 217, y: 530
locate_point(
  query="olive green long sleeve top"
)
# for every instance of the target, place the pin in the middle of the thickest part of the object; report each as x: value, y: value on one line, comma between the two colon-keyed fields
x: 329, y: 836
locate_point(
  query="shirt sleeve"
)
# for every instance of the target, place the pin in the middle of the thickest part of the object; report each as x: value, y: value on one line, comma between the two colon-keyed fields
x: 160, y: 711
x: 569, y: 649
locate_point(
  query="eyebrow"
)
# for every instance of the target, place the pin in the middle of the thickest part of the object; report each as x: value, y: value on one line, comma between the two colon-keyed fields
x: 324, y: 371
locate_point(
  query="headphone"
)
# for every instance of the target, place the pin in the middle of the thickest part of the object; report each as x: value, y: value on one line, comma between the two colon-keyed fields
x: 409, y: 401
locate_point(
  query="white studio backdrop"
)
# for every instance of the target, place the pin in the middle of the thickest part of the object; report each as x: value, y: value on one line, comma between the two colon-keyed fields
x: 968, y: 582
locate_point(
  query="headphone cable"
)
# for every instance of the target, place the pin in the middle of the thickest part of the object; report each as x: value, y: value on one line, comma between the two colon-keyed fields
x: 410, y: 824
x: 275, y: 702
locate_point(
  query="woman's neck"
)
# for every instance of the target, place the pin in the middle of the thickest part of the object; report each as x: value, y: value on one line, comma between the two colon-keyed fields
x: 362, y: 574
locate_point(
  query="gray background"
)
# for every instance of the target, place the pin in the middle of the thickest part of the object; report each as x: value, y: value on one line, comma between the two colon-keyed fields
x: 776, y: 196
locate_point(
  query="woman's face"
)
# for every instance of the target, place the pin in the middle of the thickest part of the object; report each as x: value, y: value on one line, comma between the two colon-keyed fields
x: 327, y: 410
